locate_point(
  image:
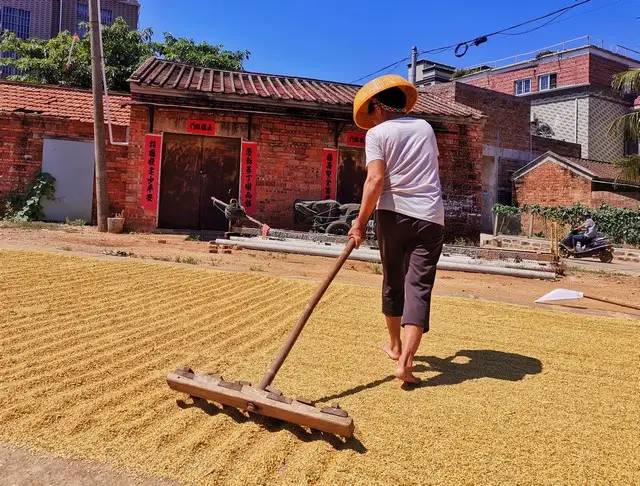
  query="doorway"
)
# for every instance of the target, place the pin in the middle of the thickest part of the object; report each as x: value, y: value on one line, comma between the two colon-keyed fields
x: 194, y: 168
x: 352, y: 173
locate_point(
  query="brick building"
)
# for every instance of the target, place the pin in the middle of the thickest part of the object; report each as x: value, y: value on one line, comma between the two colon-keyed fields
x: 570, y: 94
x: 51, y: 129
x: 554, y: 180
x: 508, y: 142
x: 196, y: 133
x: 297, y: 125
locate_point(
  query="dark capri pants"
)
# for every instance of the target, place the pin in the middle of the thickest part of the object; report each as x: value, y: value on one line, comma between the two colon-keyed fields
x: 410, y: 249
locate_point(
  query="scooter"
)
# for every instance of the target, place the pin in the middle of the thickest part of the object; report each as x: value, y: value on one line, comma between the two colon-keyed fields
x: 599, y: 247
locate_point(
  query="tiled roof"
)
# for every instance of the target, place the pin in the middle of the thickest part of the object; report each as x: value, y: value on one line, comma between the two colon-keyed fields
x: 596, y: 170
x: 599, y: 169
x: 56, y: 101
x: 158, y: 73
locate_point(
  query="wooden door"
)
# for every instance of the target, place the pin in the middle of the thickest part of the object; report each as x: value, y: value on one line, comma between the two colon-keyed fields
x: 352, y: 173
x: 194, y: 168
x: 220, y: 177
x: 180, y: 182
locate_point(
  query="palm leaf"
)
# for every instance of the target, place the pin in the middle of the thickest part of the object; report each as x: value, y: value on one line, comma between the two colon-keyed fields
x: 629, y: 168
x: 627, y: 82
x: 627, y: 125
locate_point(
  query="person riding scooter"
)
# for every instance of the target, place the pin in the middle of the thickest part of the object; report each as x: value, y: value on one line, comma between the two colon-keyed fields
x: 589, y: 232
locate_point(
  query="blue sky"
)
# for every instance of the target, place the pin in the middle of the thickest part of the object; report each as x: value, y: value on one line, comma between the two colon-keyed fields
x: 343, y: 40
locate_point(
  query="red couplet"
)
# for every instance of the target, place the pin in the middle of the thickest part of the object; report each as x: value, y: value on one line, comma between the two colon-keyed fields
x: 328, y: 174
x: 248, y: 172
x: 151, y: 171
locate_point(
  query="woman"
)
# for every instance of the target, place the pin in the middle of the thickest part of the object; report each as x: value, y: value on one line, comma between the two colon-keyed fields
x: 404, y: 184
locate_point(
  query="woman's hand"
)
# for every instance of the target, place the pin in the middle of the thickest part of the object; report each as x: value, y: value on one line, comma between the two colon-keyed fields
x: 357, y: 232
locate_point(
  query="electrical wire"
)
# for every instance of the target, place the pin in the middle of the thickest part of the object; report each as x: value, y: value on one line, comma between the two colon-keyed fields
x: 461, y: 48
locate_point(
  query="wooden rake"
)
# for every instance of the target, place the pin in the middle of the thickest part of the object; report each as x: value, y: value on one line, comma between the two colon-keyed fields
x: 263, y: 399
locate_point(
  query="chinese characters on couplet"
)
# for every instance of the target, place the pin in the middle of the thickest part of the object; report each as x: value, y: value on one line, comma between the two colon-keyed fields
x: 201, y: 127
x: 248, y: 176
x: 328, y: 173
x: 354, y: 138
x: 151, y: 170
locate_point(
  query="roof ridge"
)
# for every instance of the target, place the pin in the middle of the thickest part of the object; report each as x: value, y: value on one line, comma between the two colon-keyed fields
x: 257, y: 73
x: 24, y: 84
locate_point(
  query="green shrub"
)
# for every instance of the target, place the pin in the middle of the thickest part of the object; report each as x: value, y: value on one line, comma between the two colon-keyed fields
x: 620, y: 224
x: 28, y: 207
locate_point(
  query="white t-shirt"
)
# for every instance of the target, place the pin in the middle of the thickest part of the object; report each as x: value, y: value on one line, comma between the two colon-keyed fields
x: 409, y: 150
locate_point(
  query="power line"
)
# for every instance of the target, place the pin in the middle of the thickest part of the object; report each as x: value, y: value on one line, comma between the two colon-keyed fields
x: 404, y: 59
x: 462, y: 47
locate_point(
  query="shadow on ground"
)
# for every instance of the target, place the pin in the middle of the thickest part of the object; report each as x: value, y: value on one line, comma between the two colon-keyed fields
x: 275, y: 425
x: 477, y: 363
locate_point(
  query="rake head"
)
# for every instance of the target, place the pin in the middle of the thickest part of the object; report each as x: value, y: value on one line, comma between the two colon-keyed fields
x: 268, y: 402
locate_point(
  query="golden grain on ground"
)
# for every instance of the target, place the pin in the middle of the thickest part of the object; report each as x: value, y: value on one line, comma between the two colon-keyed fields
x: 513, y: 394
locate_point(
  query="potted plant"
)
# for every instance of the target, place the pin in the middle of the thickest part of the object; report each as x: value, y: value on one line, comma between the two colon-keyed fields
x: 116, y: 223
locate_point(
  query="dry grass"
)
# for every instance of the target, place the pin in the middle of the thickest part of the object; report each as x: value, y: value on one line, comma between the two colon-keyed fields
x: 514, y: 395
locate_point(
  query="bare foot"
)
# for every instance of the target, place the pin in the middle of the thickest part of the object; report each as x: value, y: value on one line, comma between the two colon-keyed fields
x: 393, y: 353
x: 405, y: 375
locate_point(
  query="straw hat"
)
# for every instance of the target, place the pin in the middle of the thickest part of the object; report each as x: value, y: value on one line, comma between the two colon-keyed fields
x: 361, y: 102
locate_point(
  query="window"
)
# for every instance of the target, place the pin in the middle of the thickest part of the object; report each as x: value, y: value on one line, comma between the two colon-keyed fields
x: 82, y: 15
x: 106, y: 16
x: 523, y: 86
x: 16, y: 20
x: 547, y: 81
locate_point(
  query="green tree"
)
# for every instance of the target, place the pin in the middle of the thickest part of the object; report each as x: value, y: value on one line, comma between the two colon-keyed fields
x: 628, y: 82
x: 47, y: 61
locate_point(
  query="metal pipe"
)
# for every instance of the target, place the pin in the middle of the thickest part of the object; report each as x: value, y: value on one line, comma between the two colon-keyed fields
x: 370, y: 252
x: 107, y: 105
x: 370, y: 256
x: 60, y: 18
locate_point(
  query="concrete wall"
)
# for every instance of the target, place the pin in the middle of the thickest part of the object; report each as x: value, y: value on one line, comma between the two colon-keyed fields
x: 603, y: 144
x: 560, y: 115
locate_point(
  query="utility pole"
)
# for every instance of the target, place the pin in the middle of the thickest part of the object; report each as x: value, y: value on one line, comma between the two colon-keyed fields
x: 102, y: 199
x: 414, y: 60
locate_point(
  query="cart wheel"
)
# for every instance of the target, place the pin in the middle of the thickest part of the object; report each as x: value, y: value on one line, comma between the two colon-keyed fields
x: 606, y: 257
x: 338, y: 228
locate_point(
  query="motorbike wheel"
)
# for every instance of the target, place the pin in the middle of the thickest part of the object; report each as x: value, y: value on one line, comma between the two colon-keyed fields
x: 606, y: 256
x: 564, y: 253
x: 338, y: 228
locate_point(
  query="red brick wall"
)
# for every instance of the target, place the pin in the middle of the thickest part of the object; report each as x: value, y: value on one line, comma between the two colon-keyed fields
x: 290, y: 155
x: 21, y: 146
x: 602, y: 70
x: 551, y: 184
x: 507, y: 115
x: 289, y: 162
x: 572, y: 71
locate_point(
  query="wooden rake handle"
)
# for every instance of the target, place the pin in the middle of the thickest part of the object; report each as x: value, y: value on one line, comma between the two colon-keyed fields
x: 614, y: 302
x: 311, y: 305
